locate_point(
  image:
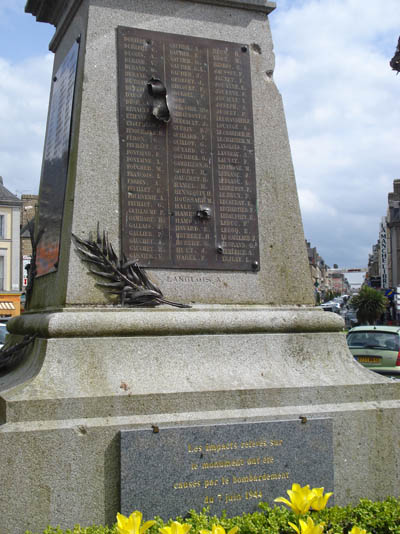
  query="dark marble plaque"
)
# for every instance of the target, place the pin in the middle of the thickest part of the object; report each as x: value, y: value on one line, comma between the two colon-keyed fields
x: 228, y: 467
x: 188, y: 186
x: 55, y: 163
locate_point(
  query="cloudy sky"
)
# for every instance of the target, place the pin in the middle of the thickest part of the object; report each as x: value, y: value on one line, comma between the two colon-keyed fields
x: 340, y: 95
x: 342, y: 106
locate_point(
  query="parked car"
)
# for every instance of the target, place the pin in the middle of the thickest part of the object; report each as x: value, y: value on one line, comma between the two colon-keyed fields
x: 331, y: 306
x: 376, y: 347
x: 350, y: 317
x: 339, y: 300
x: 3, y: 333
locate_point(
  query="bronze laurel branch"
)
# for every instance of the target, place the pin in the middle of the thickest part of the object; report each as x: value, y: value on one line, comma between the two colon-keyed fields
x: 120, y: 276
x: 11, y: 355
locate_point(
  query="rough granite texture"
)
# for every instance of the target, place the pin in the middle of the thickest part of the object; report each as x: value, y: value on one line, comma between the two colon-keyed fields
x: 60, y: 426
x: 93, y: 184
x: 100, y: 322
x: 62, y: 409
x: 173, y: 371
x: 249, y: 350
x: 55, y: 12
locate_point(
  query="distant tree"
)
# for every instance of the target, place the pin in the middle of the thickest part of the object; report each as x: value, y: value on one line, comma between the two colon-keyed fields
x: 395, y: 61
x: 369, y: 304
x: 335, y: 266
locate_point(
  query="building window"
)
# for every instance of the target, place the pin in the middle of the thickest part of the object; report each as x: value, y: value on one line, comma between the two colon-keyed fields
x: 2, y: 271
x: 2, y: 218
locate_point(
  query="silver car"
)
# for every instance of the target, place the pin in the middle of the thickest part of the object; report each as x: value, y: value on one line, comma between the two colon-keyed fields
x: 3, y: 333
x: 376, y: 347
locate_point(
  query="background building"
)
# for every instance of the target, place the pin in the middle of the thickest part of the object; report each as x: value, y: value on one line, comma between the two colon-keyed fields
x: 338, y: 282
x: 29, y: 207
x: 374, y: 278
x: 384, y: 261
x: 393, y: 234
x: 319, y: 272
x: 10, y: 208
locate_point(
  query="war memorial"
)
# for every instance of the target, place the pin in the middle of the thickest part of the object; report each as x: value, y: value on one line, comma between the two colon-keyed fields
x: 173, y: 356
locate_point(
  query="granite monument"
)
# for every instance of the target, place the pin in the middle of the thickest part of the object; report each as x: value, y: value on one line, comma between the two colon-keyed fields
x: 166, y: 130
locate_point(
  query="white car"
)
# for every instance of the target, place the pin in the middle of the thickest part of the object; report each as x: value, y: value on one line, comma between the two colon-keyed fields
x: 331, y: 306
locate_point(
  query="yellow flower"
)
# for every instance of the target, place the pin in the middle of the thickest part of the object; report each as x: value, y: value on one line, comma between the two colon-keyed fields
x: 176, y: 528
x: 308, y: 528
x: 300, y: 499
x: 320, y: 500
x: 357, y: 530
x: 217, y: 529
x: 131, y: 524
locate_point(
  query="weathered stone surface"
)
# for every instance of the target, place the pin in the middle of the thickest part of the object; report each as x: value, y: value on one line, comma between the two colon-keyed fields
x: 100, y: 376
x: 51, y: 12
x: 70, y: 465
x: 102, y: 322
x: 64, y: 407
x: 93, y: 186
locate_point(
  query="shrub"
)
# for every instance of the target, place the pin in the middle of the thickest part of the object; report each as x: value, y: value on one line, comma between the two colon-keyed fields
x: 381, y: 517
x: 369, y: 304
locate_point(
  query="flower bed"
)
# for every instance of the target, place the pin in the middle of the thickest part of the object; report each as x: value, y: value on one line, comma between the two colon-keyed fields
x: 306, y: 514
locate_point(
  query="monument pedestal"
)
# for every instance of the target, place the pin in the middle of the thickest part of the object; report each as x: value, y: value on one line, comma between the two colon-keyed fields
x: 94, y: 372
x: 251, y: 349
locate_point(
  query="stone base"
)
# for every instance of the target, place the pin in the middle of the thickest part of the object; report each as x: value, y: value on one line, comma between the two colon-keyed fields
x: 94, y: 372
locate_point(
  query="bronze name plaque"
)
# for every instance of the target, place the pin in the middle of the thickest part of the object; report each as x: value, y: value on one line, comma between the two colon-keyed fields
x: 188, y: 184
x: 55, y: 163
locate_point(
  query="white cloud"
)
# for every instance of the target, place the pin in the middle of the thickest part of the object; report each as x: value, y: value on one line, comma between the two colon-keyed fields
x: 341, y: 102
x: 24, y: 95
x: 310, y: 203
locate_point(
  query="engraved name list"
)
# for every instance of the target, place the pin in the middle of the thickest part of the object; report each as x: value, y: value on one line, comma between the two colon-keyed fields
x: 188, y: 186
